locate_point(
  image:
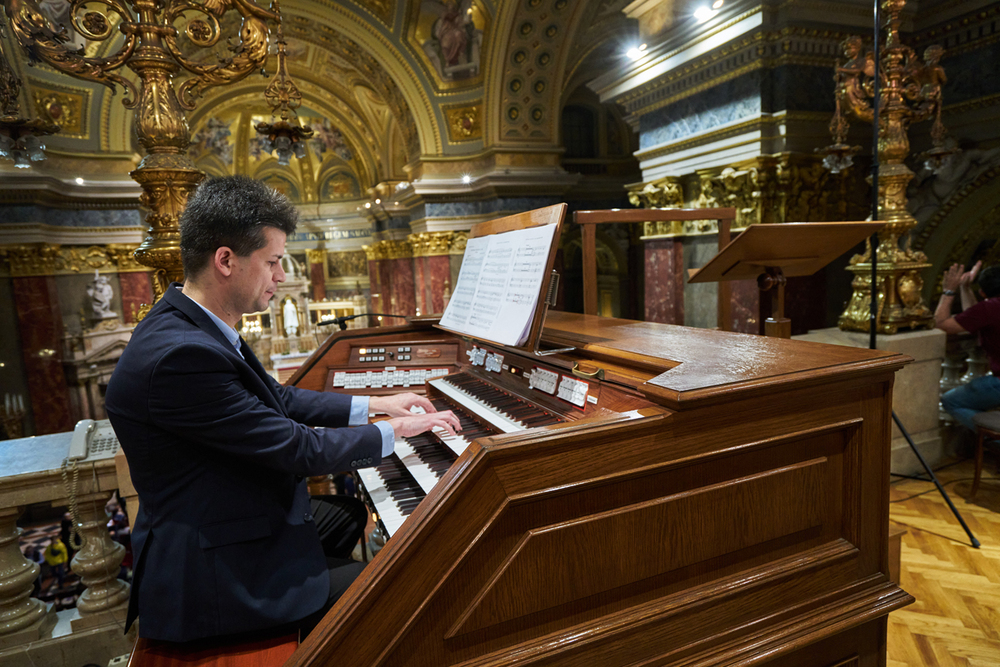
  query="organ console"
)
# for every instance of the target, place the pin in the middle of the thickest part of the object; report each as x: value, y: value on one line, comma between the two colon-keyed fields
x: 658, y: 496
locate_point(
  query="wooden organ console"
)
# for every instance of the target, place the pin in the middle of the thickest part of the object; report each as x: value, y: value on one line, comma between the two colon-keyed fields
x: 658, y: 496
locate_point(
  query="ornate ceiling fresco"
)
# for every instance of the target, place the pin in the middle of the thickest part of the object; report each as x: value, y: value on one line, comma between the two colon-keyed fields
x: 386, y: 84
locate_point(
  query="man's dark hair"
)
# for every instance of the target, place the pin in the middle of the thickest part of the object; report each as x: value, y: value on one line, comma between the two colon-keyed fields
x: 989, y: 281
x: 231, y: 211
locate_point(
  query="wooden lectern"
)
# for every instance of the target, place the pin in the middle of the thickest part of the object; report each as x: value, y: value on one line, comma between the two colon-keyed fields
x: 772, y: 253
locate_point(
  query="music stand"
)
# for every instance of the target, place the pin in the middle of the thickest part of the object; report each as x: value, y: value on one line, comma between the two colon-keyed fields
x: 770, y: 253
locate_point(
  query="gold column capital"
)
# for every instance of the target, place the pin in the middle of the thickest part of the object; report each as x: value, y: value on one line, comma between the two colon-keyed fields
x: 34, y: 259
x: 430, y: 244
x: 316, y: 255
x: 388, y: 250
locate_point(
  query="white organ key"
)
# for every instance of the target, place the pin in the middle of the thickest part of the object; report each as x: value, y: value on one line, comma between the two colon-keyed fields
x: 386, y: 507
x: 424, y: 475
x: 473, y: 404
x: 456, y: 443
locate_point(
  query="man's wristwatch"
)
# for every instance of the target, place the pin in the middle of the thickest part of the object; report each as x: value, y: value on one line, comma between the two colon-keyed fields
x: 949, y: 292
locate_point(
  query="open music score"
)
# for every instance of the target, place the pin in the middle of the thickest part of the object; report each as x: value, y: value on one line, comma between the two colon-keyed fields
x: 504, y: 272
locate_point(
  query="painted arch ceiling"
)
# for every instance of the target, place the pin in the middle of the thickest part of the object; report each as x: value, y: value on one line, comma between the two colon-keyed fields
x: 384, y: 83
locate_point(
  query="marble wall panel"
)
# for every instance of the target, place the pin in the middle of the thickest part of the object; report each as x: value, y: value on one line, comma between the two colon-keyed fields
x: 730, y: 101
x: 317, y: 281
x: 421, y: 285
x: 403, y: 288
x: 59, y: 217
x: 375, y: 284
x: 700, y: 299
x: 745, y: 308
x: 664, y: 281
x: 971, y: 74
x: 136, y: 290
x: 501, y: 206
x: 40, y: 327
x: 438, y: 272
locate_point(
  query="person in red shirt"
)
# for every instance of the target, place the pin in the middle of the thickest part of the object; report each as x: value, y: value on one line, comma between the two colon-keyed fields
x: 979, y: 317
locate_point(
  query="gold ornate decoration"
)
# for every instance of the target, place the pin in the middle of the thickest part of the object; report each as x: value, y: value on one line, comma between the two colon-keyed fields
x: 19, y: 137
x: 124, y: 258
x: 151, y: 48
x: 316, y: 255
x: 431, y: 244
x: 51, y: 259
x: 458, y: 243
x: 57, y: 107
x: 352, y: 263
x: 911, y: 92
x: 284, y: 134
x: 464, y: 123
x: 388, y: 250
x: 37, y: 259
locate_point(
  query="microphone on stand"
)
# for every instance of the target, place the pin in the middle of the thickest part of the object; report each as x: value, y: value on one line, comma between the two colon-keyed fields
x: 342, y: 320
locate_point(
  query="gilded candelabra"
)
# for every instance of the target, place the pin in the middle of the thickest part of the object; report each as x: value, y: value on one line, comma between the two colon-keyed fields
x: 910, y: 92
x: 152, y: 48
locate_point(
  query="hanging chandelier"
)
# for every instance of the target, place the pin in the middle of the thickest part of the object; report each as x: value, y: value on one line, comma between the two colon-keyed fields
x: 20, y: 138
x: 284, y: 135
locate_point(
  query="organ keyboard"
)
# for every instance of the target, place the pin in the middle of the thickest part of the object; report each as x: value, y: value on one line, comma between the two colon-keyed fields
x: 660, y: 495
x: 419, y: 462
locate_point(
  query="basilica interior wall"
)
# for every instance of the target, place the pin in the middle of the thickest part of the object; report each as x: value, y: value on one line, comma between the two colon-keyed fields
x: 539, y: 106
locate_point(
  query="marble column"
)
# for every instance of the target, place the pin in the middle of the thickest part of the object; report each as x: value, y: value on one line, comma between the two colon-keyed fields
x: 98, y: 563
x: 23, y: 619
x: 40, y: 326
x: 403, y: 287
x: 317, y: 272
x: 390, y: 268
x: 136, y: 291
x: 664, y: 280
x: 432, y: 268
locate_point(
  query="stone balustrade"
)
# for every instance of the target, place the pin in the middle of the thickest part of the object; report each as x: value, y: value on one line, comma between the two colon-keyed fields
x: 31, y: 632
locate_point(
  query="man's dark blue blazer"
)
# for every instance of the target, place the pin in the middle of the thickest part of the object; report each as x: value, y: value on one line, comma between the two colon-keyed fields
x: 218, y: 451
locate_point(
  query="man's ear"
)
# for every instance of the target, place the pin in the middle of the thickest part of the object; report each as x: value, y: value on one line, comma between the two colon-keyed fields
x: 224, y: 260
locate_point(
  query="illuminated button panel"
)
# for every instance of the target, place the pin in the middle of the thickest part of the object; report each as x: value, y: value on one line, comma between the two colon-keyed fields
x: 374, y: 355
x: 390, y: 376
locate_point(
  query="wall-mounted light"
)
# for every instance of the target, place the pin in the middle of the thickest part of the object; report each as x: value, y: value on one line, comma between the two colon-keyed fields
x: 466, y: 179
x: 79, y: 181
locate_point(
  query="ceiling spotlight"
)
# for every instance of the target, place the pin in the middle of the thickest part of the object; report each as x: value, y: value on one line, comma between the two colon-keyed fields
x: 466, y: 179
x: 636, y: 52
x: 702, y: 14
x: 718, y: 4
x: 79, y: 181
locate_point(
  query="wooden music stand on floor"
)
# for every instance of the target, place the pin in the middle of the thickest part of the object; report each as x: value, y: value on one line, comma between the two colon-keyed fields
x: 772, y: 253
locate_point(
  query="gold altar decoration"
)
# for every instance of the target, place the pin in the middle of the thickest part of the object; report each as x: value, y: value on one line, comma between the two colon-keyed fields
x: 910, y: 93
x: 19, y: 137
x: 284, y: 134
x: 152, y: 49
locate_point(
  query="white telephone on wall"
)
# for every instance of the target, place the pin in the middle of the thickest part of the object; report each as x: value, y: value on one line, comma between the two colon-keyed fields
x: 92, y: 441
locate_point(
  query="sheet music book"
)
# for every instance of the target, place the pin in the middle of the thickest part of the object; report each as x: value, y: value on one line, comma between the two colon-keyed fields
x: 499, y: 285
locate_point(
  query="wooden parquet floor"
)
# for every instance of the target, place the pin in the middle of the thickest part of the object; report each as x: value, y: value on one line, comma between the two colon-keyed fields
x: 956, y: 618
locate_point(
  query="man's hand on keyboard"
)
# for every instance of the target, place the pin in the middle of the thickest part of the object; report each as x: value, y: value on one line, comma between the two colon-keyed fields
x: 399, y: 405
x: 405, y: 427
